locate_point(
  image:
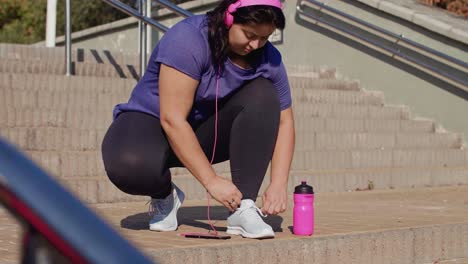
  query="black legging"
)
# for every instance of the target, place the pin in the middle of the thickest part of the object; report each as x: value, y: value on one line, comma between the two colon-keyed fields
x: 137, y: 155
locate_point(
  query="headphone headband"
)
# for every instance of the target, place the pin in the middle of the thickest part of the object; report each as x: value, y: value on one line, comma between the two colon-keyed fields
x: 229, y: 19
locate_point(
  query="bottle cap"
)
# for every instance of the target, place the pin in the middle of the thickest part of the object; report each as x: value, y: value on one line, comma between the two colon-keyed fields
x: 303, y: 188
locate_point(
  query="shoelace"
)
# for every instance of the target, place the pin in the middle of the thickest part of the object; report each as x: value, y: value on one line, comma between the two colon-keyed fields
x: 254, y: 207
x: 158, y: 206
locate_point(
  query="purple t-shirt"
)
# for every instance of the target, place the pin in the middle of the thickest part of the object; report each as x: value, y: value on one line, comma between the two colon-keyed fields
x: 185, y: 47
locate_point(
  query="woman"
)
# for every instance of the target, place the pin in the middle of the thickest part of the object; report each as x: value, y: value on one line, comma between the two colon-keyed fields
x: 212, y: 79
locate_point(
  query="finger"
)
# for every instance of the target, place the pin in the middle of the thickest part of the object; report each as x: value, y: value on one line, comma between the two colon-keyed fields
x: 283, y: 207
x: 266, y: 206
x: 277, y: 209
x: 234, y: 203
x: 228, y: 206
x: 239, y: 194
x: 238, y: 202
x: 271, y: 209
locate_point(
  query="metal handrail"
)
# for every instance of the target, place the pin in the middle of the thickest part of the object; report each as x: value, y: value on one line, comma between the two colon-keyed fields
x: 134, y: 13
x: 174, y: 8
x: 388, y: 33
x: 400, y: 37
x: 138, y: 14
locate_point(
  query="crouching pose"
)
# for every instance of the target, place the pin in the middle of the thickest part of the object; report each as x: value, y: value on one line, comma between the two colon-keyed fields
x: 212, y: 79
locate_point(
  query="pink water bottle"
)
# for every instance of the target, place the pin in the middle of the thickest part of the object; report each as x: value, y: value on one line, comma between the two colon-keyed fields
x: 303, y: 215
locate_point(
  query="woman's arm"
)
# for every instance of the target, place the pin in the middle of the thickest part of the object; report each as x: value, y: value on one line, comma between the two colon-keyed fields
x: 275, y: 196
x: 284, y: 149
x: 176, y: 93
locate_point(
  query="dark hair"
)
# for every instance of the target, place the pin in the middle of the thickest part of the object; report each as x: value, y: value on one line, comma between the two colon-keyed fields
x: 218, y: 31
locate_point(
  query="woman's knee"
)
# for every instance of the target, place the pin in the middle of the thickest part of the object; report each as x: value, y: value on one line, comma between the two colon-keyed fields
x: 262, y: 94
x: 135, y: 174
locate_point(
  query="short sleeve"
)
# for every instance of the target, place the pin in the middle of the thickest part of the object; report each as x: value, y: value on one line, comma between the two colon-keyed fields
x: 184, y: 48
x: 281, y: 82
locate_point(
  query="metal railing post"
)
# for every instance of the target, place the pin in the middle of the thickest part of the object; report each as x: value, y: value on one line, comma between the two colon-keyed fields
x: 68, y: 37
x: 142, y: 42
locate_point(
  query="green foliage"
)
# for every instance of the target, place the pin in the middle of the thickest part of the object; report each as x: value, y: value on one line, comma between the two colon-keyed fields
x: 24, y: 21
x: 87, y: 14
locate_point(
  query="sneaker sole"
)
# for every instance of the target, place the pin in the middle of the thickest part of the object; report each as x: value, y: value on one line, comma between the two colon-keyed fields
x: 240, y: 231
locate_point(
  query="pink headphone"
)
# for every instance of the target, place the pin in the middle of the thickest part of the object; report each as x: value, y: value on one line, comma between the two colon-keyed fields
x: 229, y: 19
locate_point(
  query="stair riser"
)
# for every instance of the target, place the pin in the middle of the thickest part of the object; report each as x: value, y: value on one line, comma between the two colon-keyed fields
x: 72, y: 119
x: 336, y: 97
x: 300, y: 110
x: 81, y: 69
x: 46, y: 82
x: 100, y: 189
x: 49, y: 83
x: 403, y: 246
x: 131, y: 71
x: 82, y: 119
x: 341, y: 141
x: 89, y: 164
x: 308, y: 84
x: 26, y: 52
x: 305, y: 124
x: 329, y: 160
x: 96, y: 100
x: 62, y: 139
x: 351, y: 111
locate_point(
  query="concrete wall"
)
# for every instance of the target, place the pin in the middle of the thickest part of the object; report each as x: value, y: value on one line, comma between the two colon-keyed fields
x: 309, y: 44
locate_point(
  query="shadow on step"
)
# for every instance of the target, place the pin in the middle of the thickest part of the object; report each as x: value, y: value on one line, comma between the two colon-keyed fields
x: 195, y: 216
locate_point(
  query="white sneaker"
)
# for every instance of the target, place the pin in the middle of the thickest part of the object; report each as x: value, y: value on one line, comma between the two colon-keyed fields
x: 247, y: 222
x: 164, y: 211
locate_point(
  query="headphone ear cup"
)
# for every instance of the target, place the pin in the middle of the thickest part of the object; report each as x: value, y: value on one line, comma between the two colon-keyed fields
x: 228, y: 19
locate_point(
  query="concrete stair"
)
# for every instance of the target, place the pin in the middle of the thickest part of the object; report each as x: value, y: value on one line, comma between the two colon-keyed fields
x: 340, y: 127
x: 347, y: 140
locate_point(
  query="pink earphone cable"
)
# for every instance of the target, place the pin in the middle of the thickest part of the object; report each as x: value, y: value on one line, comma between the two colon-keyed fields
x: 214, y: 146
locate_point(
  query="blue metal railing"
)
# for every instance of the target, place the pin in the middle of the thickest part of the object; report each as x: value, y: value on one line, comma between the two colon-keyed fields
x: 36, y: 199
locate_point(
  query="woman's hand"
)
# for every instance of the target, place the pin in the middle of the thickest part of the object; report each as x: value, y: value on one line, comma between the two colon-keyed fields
x: 225, y: 192
x: 275, y: 199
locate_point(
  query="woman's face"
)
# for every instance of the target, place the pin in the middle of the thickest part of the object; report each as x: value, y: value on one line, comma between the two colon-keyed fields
x: 244, y: 38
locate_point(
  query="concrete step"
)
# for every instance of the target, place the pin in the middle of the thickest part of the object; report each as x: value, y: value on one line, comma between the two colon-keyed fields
x: 49, y: 83
x: 88, y: 119
x: 323, y: 181
x: 89, y: 163
x: 366, y: 227
x: 387, y: 158
x: 310, y: 71
x: 28, y: 52
x: 312, y: 96
x: 297, y: 82
x: 58, y: 139
x: 345, y: 180
x: 67, y: 118
x: 78, y: 68
x: 116, y: 69
x: 340, y: 111
x: 60, y: 100
x: 310, y: 124
x: 370, y: 141
x: 107, y: 100
x: 99, y: 189
x: 424, y: 225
